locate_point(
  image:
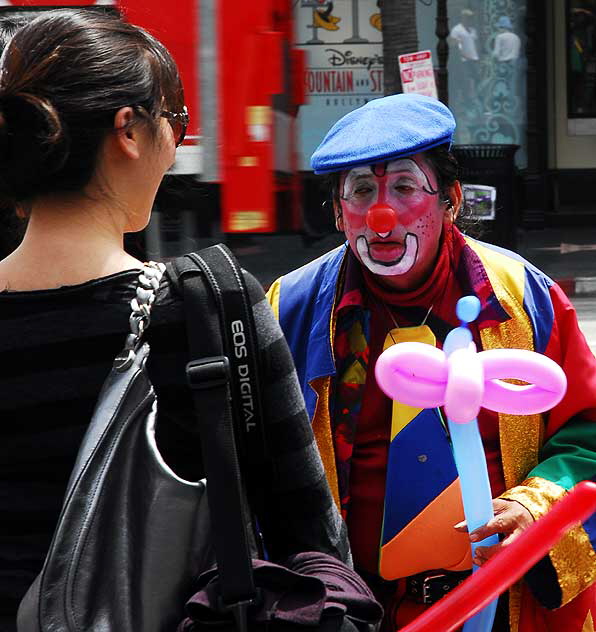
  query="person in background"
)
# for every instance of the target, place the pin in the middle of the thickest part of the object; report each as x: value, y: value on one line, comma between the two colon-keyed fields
x: 91, y: 112
x: 465, y: 36
x: 396, y: 196
x: 507, y: 44
x: 580, y: 52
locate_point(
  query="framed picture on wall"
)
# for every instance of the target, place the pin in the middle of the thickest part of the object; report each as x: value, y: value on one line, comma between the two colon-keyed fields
x: 480, y: 200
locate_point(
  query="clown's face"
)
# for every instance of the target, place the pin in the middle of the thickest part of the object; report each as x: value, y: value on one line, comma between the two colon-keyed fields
x: 392, y: 216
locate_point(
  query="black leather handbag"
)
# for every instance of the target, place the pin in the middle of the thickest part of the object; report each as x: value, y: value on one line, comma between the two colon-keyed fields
x: 132, y: 537
x: 134, y: 541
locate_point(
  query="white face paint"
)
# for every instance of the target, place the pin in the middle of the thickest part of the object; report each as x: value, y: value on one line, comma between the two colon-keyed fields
x: 401, y: 184
x: 408, y: 186
x: 403, y: 265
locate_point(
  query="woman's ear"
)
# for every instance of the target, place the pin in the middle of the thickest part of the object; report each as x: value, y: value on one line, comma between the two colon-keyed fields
x: 454, y: 199
x: 126, y: 132
x: 339, y: 219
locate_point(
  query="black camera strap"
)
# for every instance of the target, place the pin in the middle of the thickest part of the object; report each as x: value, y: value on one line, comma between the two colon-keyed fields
x: 224, y: 380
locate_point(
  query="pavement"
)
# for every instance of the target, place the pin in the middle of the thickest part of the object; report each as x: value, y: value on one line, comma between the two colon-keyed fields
x: 568, y: 255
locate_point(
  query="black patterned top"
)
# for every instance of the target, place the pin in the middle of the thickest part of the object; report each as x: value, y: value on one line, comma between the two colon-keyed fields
x: 56, y: 349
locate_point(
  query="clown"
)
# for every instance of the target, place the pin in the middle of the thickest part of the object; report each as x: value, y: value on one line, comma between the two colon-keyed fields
x: 390, y: 467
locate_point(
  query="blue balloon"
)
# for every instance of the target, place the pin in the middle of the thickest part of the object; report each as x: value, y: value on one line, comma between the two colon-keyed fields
x: 477, y: 498
x: 458, y: 338
x: 468, y: 308
x: 470, y: 461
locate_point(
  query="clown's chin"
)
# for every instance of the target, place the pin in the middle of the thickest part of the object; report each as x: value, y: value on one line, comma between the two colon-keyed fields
x: 389, y: 268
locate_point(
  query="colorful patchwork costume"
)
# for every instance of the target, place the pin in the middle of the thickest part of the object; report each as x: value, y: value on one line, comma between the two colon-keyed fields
x: 542, y: 456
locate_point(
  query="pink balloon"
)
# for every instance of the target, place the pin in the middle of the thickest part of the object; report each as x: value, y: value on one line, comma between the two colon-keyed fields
x: 413, y: 372
x: 421, y: 375
x: 465, y: 385
x: 547, y: 381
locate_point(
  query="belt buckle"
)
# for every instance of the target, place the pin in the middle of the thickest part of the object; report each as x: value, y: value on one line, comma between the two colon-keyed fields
x: 429, y: 587
x: 427, y: 583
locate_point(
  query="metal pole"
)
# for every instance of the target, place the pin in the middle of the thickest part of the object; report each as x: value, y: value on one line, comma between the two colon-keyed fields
x: 314, y: 39
x: 355, y: 39
x: 442, y: 32
x: 207, y: 59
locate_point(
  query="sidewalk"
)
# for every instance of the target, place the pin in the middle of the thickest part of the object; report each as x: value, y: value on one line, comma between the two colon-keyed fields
x: 568, y: 255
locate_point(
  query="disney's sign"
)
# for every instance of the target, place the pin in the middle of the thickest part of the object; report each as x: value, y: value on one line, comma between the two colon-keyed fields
x: 348, y: 58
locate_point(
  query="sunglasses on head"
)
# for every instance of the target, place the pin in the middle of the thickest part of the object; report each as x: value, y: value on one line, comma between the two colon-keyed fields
x: 178, y: 122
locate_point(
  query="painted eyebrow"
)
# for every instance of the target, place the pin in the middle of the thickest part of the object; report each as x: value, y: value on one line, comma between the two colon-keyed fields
x: 359, y: 172
x: 352, y: 179
x: 360, y: 176
x: 412, y: 167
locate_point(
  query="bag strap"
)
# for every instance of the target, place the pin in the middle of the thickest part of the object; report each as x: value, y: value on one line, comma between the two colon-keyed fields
x: 223, y: 378
x: 224, y: 275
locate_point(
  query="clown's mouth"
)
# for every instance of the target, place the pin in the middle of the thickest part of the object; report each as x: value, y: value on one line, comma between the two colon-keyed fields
x: 390, y: 253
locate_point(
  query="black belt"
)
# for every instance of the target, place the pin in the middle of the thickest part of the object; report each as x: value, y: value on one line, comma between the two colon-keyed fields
x: 430, y: 586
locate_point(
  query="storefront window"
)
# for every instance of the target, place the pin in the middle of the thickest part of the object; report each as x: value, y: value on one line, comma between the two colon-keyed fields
x: 487, y: 65
x: 487, y: 69
x: 581, y: 58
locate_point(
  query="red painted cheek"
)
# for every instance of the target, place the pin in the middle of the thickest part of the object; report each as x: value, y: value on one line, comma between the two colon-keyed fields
x: 428, y: 229
x: 353, y: 220
x: 413, y: 212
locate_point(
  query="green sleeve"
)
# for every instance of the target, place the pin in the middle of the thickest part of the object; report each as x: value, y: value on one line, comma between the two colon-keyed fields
x: 569, y: 456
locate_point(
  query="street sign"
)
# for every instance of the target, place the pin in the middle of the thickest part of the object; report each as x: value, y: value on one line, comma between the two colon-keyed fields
x: 417, y: 73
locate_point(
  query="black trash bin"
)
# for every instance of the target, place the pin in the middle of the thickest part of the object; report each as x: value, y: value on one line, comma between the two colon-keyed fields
x: 493, y: 165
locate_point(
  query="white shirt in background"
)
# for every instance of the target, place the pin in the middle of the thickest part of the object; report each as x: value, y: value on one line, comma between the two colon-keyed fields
x: 466, y: 41
x: 507, y: 46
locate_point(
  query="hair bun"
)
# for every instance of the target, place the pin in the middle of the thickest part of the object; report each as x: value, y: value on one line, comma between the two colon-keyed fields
x: 33, y: 145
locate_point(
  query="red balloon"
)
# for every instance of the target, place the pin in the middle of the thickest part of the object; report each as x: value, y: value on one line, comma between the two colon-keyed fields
x: 508, y: 565
x: 381, y: 218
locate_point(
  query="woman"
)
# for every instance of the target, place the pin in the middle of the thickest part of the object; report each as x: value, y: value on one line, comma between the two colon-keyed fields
x: 91, y: 112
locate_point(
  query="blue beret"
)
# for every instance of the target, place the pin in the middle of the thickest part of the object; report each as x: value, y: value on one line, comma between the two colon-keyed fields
x: 384, y: 129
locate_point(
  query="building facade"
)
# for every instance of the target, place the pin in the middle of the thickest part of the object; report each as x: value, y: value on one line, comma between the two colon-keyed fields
x: 520, y: 73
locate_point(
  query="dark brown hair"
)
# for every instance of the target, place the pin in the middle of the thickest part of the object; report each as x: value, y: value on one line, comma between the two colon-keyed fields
x: 445, y: 166
x: 447, y: 171
x: 63, y: 78
x: 12, y: 226
x: 10, y: 23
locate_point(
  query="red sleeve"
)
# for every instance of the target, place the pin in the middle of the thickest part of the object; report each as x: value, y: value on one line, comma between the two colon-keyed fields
x: 567, y: 346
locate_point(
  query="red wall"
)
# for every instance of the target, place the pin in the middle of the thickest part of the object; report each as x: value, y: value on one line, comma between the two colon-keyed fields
x: 174, y: 23
x: 250, y: 74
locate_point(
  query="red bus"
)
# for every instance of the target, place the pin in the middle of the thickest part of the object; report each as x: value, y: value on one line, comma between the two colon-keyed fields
x: 237, y: 170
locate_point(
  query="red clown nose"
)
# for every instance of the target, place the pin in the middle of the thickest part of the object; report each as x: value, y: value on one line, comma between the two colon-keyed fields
x: 381, y: 218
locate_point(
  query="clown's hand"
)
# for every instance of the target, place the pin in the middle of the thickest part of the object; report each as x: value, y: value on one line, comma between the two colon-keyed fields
x: 510, y: 519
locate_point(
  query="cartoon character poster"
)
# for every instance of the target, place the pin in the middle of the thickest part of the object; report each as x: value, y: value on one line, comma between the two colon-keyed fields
x: 344, y: 67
